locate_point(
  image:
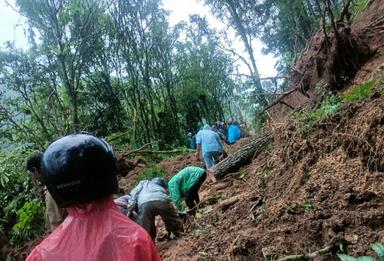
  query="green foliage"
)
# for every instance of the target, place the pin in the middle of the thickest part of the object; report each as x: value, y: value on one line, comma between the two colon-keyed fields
x: 120, y: 140
x: 155, y: 158
x: 241, y: 174
x: 330, y: 105
x: 359, y: 6
x: 360, y: 92
x: 291, y: 209
x: 203, y: 71
x: 4, y: 178
x: 259, y: 121
x: 112, y: 67
x: 377, y: 247
x: 150, y: 172
x: 30, y: 222
x: 262, y: 176
x: 307, y: 206
x: 219, y: 195
x: 381, y: 87
x: 306, y: 119
x: 297, y: 209
x: 15, y: 193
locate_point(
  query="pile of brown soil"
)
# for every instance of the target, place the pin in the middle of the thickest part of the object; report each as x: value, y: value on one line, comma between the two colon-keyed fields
x: 311, y: 191
x: 336, y: 62
x: 128, y: 171
x: 175, y: 164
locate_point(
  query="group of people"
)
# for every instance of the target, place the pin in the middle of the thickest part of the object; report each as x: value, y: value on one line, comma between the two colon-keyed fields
x: 209, y: 141
x: 229, y: 133
x: 85, y: 220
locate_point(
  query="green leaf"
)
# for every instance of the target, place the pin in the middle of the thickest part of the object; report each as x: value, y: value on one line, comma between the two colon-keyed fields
x: 242, y: 174
x: 307, y: 206
x: 379, y: 250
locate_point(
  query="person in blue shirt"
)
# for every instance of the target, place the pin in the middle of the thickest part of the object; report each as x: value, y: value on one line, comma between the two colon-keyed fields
x: 209, y: 145
x: 233, y: 132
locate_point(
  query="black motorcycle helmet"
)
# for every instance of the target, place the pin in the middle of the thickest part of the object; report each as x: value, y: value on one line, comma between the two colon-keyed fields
x: 79, y: 168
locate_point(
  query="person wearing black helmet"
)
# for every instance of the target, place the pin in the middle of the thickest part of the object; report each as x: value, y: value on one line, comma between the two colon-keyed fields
x: 53, y: 214
x: 80, y: 173
x: 150, y: 197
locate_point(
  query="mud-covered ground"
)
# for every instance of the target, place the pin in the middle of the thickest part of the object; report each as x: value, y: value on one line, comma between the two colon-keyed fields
x: 308, y: 192
x: 305, y: 194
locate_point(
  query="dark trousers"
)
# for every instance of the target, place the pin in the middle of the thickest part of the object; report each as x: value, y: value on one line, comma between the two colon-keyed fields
x: 192, y: 198
x: 168, y: 213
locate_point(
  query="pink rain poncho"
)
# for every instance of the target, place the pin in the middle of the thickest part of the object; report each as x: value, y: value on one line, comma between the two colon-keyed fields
x: 96, y: 231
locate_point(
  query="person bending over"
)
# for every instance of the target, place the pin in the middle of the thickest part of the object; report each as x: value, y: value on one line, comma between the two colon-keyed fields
x: 185, y: 185
x: 150, y: 198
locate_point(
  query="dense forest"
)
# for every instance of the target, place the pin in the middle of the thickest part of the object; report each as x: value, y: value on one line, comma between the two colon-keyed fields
x: 116, y: 68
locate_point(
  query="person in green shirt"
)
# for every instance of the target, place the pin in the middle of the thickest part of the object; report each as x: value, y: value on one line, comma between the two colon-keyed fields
x: 185, y: 185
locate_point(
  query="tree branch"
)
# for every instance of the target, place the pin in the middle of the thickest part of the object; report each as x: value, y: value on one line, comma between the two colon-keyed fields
x: 286, y: 104
x: 139, y: 149
x: 312, y: 255
x: 278, y: 100
x: 345, y: 12
x: 328, y: 5
x: 11, y: 6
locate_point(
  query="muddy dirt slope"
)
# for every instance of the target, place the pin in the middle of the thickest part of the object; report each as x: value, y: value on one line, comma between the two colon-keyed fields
x: 321, y: 190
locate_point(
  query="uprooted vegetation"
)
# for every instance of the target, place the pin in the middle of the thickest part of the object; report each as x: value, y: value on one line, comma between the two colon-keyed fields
x: 340, y: 54
x: 309, y: 193
x: 332, y: 104
x: 319, y: 192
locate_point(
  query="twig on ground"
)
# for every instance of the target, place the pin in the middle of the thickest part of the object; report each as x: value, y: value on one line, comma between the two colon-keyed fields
x: 286, y: 104
x: 356, y: 137
x: 312, y: 255
x: 246, y: 181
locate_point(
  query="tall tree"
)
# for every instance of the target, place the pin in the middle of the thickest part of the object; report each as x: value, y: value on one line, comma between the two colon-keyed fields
x: 29, y: 91
x: 71, y: 33
x: 203, y: 72
x: 238, y: 16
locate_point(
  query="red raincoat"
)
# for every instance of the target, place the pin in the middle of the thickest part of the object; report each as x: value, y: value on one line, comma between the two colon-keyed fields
x: 96, y: 231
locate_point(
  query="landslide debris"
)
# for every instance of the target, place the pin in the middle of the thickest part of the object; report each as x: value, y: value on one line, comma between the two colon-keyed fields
x: 311, y: 191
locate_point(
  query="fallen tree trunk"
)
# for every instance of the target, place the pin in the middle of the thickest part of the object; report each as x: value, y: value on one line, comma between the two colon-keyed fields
x: 241, y: 157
